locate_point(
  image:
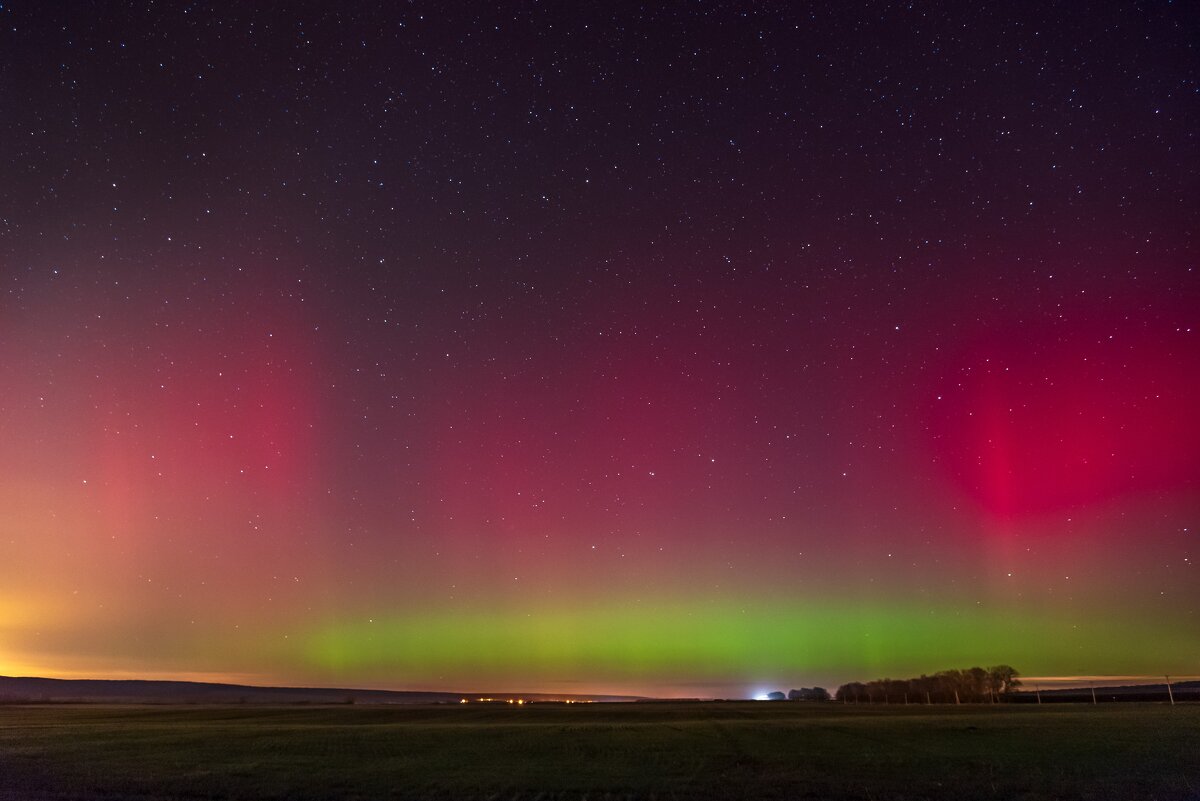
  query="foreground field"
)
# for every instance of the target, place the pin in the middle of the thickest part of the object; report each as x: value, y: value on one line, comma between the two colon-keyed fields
x: 665, y: 751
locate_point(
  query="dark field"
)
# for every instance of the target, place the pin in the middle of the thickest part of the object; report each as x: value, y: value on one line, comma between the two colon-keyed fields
x: 609, y: 751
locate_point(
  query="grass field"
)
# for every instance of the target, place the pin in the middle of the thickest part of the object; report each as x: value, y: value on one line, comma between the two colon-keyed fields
x: 600, y: 751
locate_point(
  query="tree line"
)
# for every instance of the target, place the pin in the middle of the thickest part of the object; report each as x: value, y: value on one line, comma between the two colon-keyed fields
x: 973, y: 685
x: 803, y: 694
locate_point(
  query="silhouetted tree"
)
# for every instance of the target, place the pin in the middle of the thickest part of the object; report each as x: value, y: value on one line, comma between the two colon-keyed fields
x: 978, y: 684
x: 852, y: 693
x: 1003, y: 679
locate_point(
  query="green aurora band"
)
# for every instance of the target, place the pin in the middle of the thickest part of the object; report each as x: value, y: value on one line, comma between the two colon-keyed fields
x: 732, y: 646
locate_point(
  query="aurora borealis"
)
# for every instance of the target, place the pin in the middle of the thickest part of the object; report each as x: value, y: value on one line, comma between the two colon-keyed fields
x: 692, y: 348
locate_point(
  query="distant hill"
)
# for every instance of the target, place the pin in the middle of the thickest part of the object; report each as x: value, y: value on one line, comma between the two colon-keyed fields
x: 18, y: 690
x: 1182, y: 690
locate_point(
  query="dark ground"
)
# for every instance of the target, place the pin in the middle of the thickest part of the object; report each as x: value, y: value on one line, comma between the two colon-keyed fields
x: 600, y: 751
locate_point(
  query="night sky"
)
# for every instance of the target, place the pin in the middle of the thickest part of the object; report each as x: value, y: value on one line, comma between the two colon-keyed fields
x: 694, y: 348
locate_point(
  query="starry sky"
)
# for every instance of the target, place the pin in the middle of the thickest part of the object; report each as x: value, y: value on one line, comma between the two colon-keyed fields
x: 692, y: 348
